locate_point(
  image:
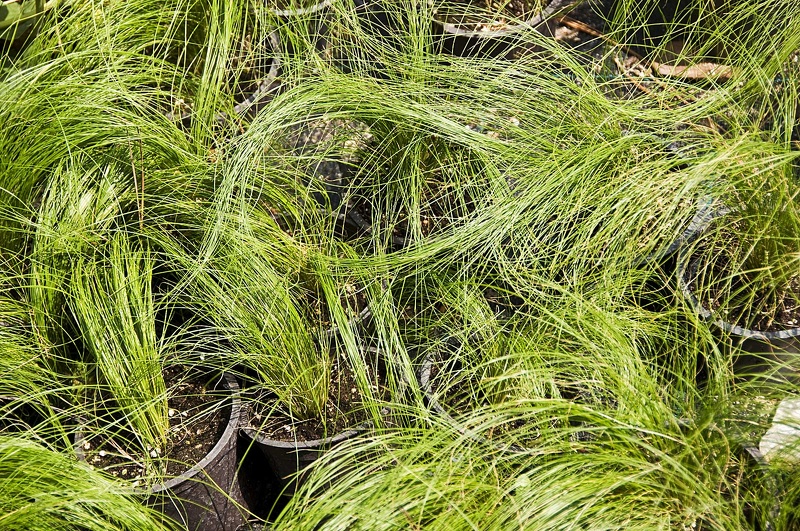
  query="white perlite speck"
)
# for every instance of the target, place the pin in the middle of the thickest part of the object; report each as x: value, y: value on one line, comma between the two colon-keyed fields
x: 783, y: 437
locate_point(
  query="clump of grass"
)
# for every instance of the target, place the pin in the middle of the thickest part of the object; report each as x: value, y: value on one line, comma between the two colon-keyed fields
x: 112, y: 300
x: 42, y: 489
x: 747, y: 268
x: 250, y: 301
x: 621, y: 477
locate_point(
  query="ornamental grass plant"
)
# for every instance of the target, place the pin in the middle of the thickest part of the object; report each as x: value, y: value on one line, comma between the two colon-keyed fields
x: 516, y: 219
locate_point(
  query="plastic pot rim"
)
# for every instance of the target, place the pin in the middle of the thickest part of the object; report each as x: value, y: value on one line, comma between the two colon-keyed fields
x: 424, y: 376
x: 231, y: 430
x: 240, y: 108
x: 256, y: 436
x: 686, y: 269
x: 259, y: 438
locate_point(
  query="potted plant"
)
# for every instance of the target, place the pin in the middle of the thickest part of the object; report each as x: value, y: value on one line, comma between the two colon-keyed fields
x: 477, y: 366
x: 169, y: 429
x: 292, y: 334
x: 302, y: 24
x: 252, y: 76
x: 488, y: 28
x: 405, y: 187
x: 741, y: 276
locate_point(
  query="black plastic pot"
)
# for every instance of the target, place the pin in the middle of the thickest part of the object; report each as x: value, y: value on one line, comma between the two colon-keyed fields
x: 756, y: 342
x: 379, y: 19
x: 287, y: 459
x: 313, y: 9
x: 763, y: 347
x: 302, y: 22
x: 466, y: 41
x: 269, y: 82
x: 207, y: 497
x: 707, y: 210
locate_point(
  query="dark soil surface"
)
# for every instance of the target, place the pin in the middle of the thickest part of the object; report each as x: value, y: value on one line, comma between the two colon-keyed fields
x: 782, y: 312
x: 354, y: 301
x: 502, y: 12
x: 196, y: 424
x: 344, y: 408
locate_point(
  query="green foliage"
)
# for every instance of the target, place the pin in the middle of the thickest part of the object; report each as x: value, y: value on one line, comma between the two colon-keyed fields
x: 17, y: 17
x: 112, y: 300
x: 42, y: 489
x: 514, y: 221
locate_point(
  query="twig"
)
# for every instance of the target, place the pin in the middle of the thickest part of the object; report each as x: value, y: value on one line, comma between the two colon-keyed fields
x: 580, y: 26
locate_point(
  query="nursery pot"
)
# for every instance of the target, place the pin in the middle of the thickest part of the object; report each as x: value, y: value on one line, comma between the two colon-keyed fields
x: 207, y: 497
x: 381, y: 21
x: 311, y: 20
x: 467, y: 41
x: 707, y: 210
x: 298, y: 12
x: 752, y: 341
x: 270, y: 80
x: 287, y: 459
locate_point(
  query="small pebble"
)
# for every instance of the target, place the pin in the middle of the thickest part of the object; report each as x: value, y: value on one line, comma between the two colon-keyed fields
x: 101, y: 453
x: 87, y: 445
x: 153, y: 453
x: 171, y: 412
